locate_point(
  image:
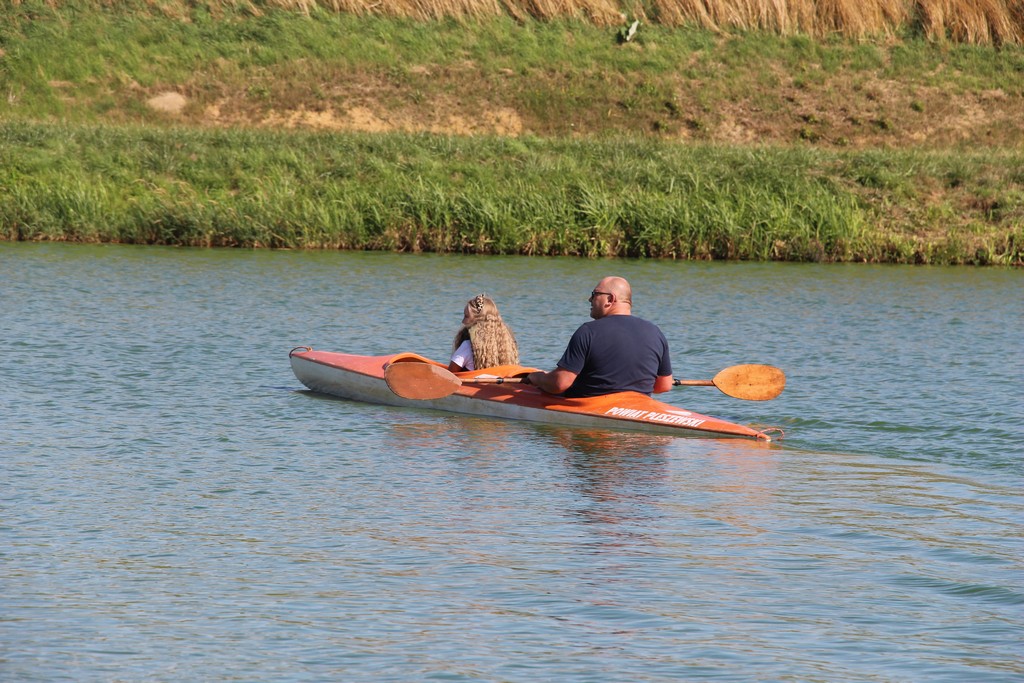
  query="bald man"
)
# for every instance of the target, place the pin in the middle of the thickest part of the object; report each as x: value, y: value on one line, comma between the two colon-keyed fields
x: 616, y: 351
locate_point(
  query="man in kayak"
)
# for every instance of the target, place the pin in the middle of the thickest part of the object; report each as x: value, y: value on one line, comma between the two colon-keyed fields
x: 616, y: 351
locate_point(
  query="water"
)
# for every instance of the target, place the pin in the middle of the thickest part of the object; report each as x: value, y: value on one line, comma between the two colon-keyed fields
x: 177, y: 507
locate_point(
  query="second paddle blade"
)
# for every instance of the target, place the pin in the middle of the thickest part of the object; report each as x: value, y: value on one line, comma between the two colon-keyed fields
x: 751, y: 382
x: 420, y: 381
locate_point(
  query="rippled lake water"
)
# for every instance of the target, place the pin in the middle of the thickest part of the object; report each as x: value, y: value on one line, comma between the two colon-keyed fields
x: 177, y: 507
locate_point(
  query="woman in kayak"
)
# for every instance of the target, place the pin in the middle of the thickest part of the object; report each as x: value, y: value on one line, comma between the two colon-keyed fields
x: 484, y: 340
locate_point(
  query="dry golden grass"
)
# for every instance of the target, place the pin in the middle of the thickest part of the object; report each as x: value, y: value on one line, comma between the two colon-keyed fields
x: 963, y: 21
x: 973, y: 21
x: 981, y: 22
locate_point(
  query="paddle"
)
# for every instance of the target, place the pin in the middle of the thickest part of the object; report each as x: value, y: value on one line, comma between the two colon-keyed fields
x: 749, y: 382
x: 423, y: 381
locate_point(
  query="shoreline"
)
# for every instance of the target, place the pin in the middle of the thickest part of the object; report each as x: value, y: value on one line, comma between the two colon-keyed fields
x: 419, y: 193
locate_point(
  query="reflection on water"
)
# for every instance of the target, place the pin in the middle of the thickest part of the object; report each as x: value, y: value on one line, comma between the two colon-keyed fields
x: 179, y: 508
x: 619, y: 476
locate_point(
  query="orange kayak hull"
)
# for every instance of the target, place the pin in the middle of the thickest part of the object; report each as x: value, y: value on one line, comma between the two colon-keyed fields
x: 361, y: 378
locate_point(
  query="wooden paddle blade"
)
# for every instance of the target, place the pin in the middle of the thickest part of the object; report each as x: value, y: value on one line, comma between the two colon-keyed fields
x: 420, y: 381
x: 751, y: 382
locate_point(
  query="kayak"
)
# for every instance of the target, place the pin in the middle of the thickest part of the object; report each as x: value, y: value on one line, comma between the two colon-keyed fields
x: 362, y: 378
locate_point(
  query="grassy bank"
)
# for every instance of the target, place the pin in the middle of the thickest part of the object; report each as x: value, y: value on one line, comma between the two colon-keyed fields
x: 309, y: 125
x: 219, y: 65
x: 511, y: 196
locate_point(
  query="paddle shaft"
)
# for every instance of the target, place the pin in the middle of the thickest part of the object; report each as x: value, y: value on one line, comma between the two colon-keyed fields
x: 492, y: 380
x: 747, y: 382
x: 516, y: 380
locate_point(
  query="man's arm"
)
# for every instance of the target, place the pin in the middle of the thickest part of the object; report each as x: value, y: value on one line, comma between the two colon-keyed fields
x: 663, y: 383
x: 554, y: 382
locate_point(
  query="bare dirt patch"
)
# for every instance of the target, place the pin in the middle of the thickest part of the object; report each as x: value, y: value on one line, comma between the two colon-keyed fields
x: 836, y: 112
x: 168, y: 102
x: 375, y: 118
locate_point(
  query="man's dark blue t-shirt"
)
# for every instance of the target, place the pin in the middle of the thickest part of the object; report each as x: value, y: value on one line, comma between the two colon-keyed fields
x: 616, y: 353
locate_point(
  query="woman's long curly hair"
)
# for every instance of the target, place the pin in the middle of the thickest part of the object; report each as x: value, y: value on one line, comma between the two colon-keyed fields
x: 493, y: 342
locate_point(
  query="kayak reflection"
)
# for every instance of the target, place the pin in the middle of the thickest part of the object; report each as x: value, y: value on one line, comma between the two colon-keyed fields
x: 628, y: 482
x: 619, y: 478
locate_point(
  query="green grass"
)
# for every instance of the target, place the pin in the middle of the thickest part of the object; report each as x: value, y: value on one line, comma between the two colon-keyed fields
x: 632, y: 197
x: 99, y: 61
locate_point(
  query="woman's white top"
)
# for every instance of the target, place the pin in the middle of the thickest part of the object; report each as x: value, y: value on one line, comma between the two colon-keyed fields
x: 463, y: 356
